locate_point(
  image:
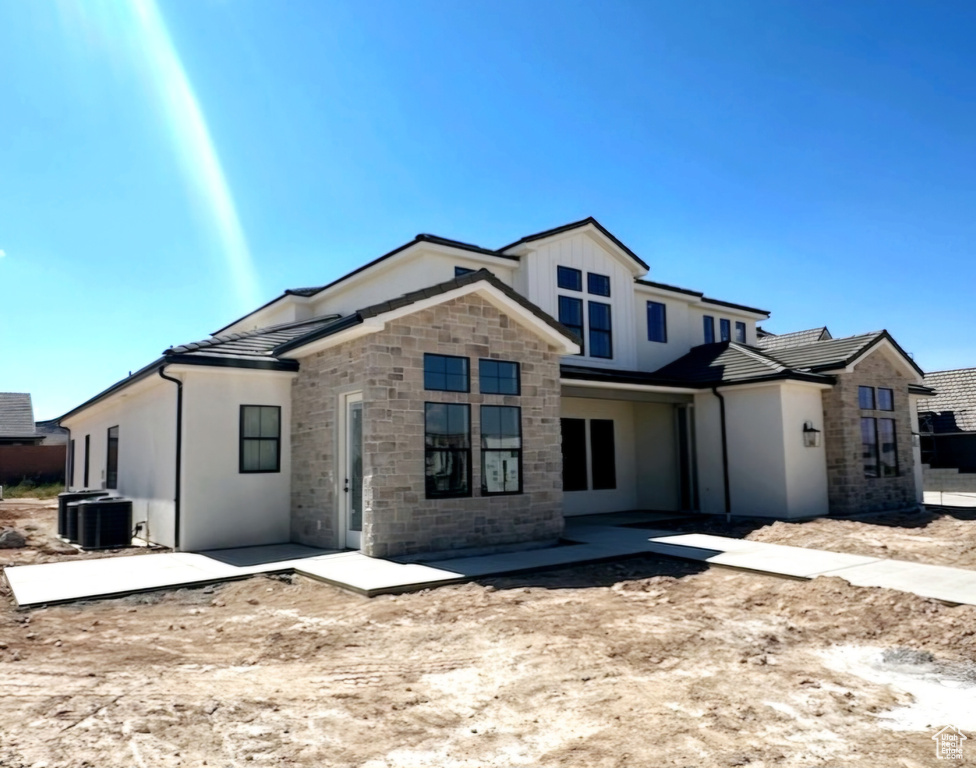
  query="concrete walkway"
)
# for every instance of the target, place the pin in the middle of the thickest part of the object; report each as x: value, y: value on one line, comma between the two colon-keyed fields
x: 107, y: 577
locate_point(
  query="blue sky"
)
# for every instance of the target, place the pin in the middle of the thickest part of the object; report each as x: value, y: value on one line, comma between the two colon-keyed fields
x: 166, y: 167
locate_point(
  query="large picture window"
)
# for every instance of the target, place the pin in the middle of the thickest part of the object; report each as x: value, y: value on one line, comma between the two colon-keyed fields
x: 657, y: 321
x: 260, y: 449
x: 888, y: 448
x: 501, y: 449
x: 571, y: 315
x: 574, y: 454
x: 446, y: 373
x: 112, y: 459
x: 601, y: 332
x: 498, y: 377
x: 869, y: 447
x: 447, y: 450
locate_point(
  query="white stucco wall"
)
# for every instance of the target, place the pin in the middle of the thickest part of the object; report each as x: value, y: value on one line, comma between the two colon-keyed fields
x: 806, y: 468
x: 220, y: 507
x: 658, y: 474
x: 771, y: 473
x: 146, y: 416
x: 624, y: 496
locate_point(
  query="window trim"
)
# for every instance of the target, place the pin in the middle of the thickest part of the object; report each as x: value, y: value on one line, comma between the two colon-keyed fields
x: 518, y: 377
x: 111, y: 473
x: 241, y: 439
x: 561, y: 271
x: 591, y: 330
x: 664, y: 321
x: 708, y: 329
x: 468, y: 493
x: 467, y: 373
x: 521, y: 479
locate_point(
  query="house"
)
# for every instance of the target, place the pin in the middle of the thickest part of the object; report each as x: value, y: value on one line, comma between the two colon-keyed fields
x: 23, y: 454
x: 947, y: 424
x: 448, y: 397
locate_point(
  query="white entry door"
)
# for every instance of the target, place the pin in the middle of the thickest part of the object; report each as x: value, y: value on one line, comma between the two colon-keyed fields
x: 352, y: 467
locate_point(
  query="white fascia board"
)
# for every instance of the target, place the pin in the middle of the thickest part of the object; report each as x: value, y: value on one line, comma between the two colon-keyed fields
x: 177, y: 369
x: 627, y: 387
x: 665, y: 293
x: 716, y: 308
x: 594, y: 234
x: 487, y: 291
x: 774, y: 383
x: 885, y: 344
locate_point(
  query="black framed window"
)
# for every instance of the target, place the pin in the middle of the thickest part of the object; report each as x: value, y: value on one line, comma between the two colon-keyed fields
x: 446, y: 373
x: 657, y: 321
x: 598, y: 285
x: 725, y: 328
x: 498, y: 377
x: 740, y: 332
x: 869, y: 446
x: 886, y: 399
x: 603, y: 454
x: 112, y: 459
x: 87, y: 459
x: 459, y: 271
x: 574, y: 454
x: 447, y: 450
x: 708, y: 329
x: 569, y: 279
x: 71, y: 463
x: 887, y: 448
x: 601, y: 332
x: 501, y: 449
x: 571, y: 315
x: 865, y: 398
x: 260, y: 441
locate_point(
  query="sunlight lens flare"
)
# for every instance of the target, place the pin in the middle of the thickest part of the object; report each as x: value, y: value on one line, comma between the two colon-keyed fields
x: 140, y: 24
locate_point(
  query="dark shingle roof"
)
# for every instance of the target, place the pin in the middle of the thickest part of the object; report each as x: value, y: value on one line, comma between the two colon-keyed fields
x: 728, y: 362
x: 771, y: 341
x: 16, y: 415
x: 826, y: 355
x: 260, y: 343
x: 953, y: 408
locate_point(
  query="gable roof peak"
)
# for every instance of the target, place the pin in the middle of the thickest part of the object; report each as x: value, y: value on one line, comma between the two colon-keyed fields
x: 589, y: 221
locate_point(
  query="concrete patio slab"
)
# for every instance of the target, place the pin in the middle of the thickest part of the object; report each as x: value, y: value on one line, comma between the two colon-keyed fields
x: 952, y: 585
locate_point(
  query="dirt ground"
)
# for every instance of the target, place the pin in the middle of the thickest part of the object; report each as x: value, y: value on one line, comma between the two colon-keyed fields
x: 645, y: 662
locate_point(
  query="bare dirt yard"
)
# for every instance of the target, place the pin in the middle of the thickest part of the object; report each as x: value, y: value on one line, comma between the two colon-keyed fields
x: 644, y: 662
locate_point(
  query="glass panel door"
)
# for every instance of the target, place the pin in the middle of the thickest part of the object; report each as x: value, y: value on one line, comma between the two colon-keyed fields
x: 353, y: 485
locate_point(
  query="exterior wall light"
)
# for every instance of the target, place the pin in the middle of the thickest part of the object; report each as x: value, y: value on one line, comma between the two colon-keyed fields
x: 811, y: 436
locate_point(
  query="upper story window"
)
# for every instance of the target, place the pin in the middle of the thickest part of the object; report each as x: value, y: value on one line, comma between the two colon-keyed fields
x: 725, y: 328
x: 886, y: 399
x: 657, y: 321
x: 865, y: 398
x: 569, y: 279
x: 498, y: 377
x: 112, y: 459
x: 740, y: 332
x: 601, y: 332
x: 447, y: 450
x: 260, y: 449
x: 458, y: 271
x: 708, y: 327
x: 598, y: 285
x: 447, y: 373
x: 571, y: 315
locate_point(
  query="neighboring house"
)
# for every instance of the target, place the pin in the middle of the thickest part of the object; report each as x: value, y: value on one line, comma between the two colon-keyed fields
x: 447, y: 396
x: 23, y: 456
x: 947, y: 423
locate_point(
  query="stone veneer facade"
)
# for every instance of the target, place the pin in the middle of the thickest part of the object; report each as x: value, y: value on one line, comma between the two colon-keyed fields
x: 388, y: 368
x: 849, y: 491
